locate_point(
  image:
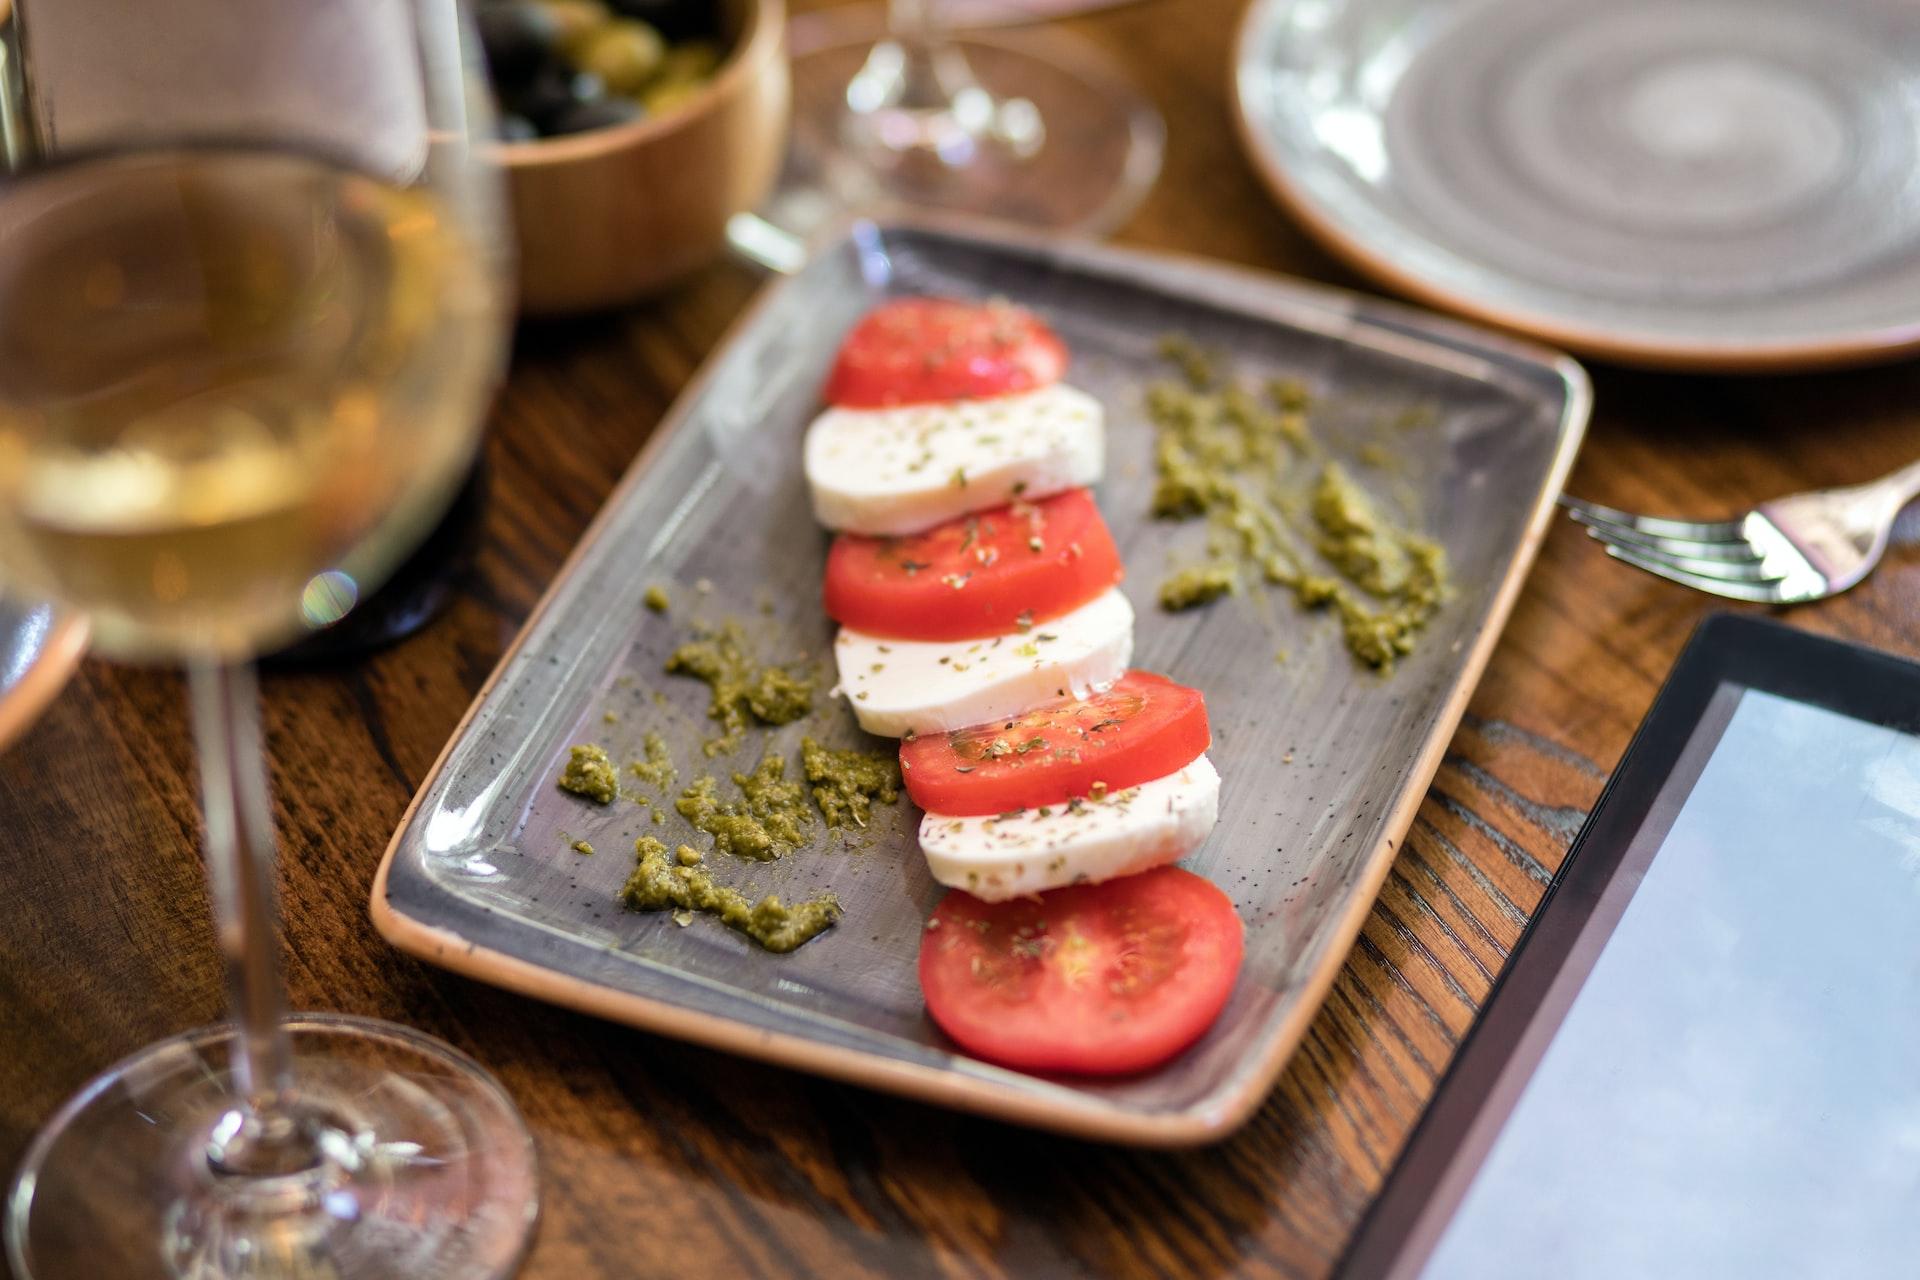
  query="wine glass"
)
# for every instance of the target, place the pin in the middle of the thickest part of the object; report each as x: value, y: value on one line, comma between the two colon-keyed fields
x: 1032, y: 126
x: 252, y: 305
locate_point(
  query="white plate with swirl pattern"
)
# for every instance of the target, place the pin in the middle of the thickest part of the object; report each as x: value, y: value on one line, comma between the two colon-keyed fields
x: 1700, y: 184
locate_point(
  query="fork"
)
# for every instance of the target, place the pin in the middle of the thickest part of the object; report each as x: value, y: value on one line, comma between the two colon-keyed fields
x: 1788, y: 551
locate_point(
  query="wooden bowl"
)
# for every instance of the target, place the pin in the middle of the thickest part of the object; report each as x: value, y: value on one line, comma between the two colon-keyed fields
x: 611, y: 215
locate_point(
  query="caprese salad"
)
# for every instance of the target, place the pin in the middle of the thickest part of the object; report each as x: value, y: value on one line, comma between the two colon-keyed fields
x: 977, y: 591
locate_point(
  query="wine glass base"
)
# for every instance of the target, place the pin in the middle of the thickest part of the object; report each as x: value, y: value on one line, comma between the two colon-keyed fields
x: 412, y: 596
x: 1097, y: 156
x: 428, y: 1169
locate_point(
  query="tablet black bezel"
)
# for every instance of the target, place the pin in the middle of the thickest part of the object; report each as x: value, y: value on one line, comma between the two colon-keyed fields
x: 1727, y: 649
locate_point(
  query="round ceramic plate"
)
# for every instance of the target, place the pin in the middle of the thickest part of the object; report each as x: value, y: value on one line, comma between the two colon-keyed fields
x: 1706, y: 184
x: 39, y: 648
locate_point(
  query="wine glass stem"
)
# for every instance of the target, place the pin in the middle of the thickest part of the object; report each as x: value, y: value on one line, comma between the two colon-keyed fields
x: 932, y: 71
x: 916, y: 96
x: 913, y: 24
x: 260, y: 1136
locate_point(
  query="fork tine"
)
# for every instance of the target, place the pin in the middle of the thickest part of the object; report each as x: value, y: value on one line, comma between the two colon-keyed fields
x: 1592, y: 513
x: 1759, y: 592
x: 1739, y: 552
x: 1750, y: 568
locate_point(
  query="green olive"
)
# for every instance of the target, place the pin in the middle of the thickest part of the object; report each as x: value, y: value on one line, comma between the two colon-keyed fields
x: 690, y: 62
x: 664, y: 96
x: 625, y: 53
x: 577, y: 20
x: 685, y: 71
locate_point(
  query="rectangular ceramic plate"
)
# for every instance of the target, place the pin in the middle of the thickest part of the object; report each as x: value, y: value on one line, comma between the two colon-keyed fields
x: 1323, y: 762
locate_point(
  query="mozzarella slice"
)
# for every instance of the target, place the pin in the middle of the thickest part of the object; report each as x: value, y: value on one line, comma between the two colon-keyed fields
x: 898, y: 471
x: 1081, y: 842
x: 932, y: 686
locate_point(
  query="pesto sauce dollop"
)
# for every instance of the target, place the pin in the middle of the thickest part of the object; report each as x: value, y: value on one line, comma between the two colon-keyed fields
x: 661, y: 883
x: 770, y: 815
x: 1224, y: 454
x: 769, y: 818
x: 1190, y: 588
x: 846, y: 783
x: 1407, y: 573
x: 589, y: 772
x: 657, y: 768
x: 741, y: 688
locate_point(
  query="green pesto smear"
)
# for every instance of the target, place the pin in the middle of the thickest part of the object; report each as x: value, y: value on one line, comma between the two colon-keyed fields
x: 846, y: 783
x: 764, y: 816
x: 663, y: 882
x: 589, y: 772
x: 657, y: 768
x: 1407, y: 573
x: 1279, y: 512
x: 1190, y: 588
x: 770, y: 817
x: 742, y: 688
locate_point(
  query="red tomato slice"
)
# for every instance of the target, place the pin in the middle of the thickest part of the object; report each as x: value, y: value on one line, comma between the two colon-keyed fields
x: 991, y: 573
x: 1098, y: 979
x: 922, y: 350
x: 1144, y: 727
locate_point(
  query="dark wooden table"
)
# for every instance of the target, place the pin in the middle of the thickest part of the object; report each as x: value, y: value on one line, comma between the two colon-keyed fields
x: 105, y: 942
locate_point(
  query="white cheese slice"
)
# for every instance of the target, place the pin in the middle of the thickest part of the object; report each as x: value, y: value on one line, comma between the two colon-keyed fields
x: 1082, y: 842
x: 902, y: 470
x: 932, y: 686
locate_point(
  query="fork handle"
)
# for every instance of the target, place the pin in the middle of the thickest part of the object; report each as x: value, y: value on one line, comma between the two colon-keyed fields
x: 1904, y: 483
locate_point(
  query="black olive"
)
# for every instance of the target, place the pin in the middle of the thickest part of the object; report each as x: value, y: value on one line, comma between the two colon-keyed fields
x: 515, y: 128
x: 596, y: 115
x: 519, y: 38
x: 587, y: 87
x: 674, y: 19
x: 543, y: 98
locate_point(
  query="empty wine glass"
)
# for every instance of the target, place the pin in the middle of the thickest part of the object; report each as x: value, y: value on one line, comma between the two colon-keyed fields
x: 1028, y: 126
x: 252, y: 305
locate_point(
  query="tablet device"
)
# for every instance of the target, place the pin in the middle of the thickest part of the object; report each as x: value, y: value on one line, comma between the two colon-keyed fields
x: 1703, y: 1056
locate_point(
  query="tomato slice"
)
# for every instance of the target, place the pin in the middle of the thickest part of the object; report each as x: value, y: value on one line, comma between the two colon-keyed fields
x: 992, y: 573
x: 922, y: 350
x: 1098, y: 979
x: 1144, y: 727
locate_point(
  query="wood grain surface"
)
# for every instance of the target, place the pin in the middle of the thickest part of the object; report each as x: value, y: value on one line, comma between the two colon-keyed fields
x: 105, y: 942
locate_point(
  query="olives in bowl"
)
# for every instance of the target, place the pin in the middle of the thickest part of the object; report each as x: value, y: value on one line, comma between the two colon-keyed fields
x: 632, y: 130
x: 567, y: 66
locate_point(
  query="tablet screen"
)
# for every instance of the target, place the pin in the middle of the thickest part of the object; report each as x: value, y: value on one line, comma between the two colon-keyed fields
x: 1724, y: 1078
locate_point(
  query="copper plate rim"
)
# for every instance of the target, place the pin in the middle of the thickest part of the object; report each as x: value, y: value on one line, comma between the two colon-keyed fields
x: 1789, y: 355
x: 1072, y: 1116
x: 65, y: 645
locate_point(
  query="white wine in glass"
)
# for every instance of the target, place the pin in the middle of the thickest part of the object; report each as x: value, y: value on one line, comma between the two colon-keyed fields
x: 239, y: 378
x: 243, y: 370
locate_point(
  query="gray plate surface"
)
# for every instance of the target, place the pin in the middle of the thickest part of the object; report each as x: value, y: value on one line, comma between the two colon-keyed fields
x: 1696, y: 183
x: 481, y: 879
